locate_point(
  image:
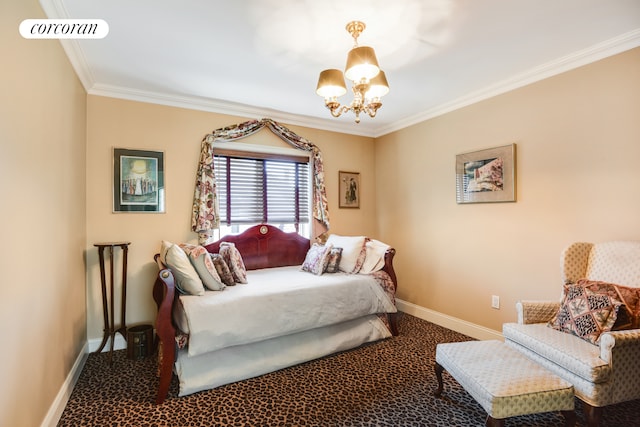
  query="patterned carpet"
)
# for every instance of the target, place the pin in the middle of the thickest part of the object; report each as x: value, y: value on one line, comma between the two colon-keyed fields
x: 388, y: 383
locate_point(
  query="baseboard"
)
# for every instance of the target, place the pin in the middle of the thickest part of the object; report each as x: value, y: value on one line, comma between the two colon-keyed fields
x: 449, y: 322
x: 59, y: 403
x: 118, y: 344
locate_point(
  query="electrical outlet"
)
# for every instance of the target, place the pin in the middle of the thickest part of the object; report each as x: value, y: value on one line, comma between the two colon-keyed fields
x: 495, y: 301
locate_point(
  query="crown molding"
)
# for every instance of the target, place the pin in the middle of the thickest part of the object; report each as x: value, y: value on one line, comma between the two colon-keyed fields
x: 226, y: 107
x: 55, y: 9
x: 577, y: 59
x: 569, y: 62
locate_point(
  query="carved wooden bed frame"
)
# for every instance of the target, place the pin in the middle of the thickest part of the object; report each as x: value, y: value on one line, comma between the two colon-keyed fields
x: 261, y: 246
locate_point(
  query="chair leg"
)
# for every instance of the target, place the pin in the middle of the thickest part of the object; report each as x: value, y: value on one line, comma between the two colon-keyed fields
x: 569, y: 418
x: 593, y: 414
x: 438, y: 369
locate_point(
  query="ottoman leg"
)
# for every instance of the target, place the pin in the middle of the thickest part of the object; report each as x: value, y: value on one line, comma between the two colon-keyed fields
x: 569, y: 418
x: 494, y: 422
x: 438, y: 370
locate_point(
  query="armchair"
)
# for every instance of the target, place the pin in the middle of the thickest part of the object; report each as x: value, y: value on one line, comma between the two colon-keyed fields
x: 604, y: 373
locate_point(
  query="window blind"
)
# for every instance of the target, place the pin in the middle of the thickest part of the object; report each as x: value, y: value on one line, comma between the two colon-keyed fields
x: 255, y: 189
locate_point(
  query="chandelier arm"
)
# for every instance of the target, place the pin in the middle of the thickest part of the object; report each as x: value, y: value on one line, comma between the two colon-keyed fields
x: 372, y: 108
x: 337, y: 110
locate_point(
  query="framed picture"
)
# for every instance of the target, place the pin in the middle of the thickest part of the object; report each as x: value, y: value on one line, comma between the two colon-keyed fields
x: 349, y: 189
x: 138, y: 180
x: 486, y: 176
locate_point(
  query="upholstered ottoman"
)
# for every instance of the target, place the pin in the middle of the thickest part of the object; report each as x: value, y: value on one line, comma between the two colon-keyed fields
x: 503, y: 381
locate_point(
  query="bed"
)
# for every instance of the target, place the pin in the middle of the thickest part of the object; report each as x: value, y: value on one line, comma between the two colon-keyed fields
x: 280, y: 316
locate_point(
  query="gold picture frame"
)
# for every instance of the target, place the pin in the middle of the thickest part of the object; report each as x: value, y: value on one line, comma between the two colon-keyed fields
x: 349, y: 189
x: 486, y: 176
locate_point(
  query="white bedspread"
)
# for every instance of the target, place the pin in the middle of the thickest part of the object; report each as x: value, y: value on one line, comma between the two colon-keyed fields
x: 276, y: 302
x: 229, y: 365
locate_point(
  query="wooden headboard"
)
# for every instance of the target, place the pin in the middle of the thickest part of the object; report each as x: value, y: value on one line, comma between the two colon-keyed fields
x: 264, y: 246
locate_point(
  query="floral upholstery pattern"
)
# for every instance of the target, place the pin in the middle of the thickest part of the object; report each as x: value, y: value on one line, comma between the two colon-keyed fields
x: 231, y: 256
x: 204, y: 266
x: 362, y: 256
x: 205, y: 212
x: 223, y: 269
x: 385, y: 282
x: 317, y: 259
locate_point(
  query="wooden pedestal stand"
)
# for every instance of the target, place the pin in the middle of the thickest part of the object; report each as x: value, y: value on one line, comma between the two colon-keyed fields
x: 108, y: 304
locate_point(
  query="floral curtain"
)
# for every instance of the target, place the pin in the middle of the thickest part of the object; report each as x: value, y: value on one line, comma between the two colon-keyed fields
x: 205, y: 218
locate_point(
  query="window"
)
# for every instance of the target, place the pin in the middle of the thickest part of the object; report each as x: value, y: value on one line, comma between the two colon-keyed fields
x: 257, y: 188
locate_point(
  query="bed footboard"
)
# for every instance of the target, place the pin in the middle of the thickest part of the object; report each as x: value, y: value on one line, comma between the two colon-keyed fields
x: 164, y: 294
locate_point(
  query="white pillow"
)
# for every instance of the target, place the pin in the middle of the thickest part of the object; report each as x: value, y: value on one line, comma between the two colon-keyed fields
x: 164, y: 247
x: 187, y: 279
x: 352, y: 251
x: 375, y: 256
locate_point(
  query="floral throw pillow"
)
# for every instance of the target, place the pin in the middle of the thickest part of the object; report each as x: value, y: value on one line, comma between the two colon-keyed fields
x: 333, y: 265
x: 223, y: 270
x: 585, y: 313
x: 232, y: 257
x: 203, y: 264
x: 317, y: 259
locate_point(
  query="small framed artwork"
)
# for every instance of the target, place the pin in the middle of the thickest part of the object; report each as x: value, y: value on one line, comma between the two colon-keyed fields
x: 486, y: 176
x: 138, y: 181
x: 349, y: 189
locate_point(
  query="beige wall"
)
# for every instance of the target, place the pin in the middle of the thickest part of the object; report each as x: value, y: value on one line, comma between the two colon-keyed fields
x: 578, y: 146
x: 178, y: 132
x: 42, y: 182
x: 577, y: 141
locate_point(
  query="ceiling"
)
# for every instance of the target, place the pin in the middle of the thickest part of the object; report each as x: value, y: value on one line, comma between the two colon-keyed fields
x: 261, y: 58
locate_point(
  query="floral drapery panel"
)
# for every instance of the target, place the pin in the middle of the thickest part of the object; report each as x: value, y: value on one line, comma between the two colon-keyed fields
x: 204, y: 218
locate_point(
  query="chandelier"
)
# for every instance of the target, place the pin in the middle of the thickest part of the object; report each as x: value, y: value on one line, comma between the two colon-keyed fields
x: 369, y: 83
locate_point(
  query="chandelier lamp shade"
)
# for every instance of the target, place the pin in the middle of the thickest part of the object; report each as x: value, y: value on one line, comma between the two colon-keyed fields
x: 368, y: 81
